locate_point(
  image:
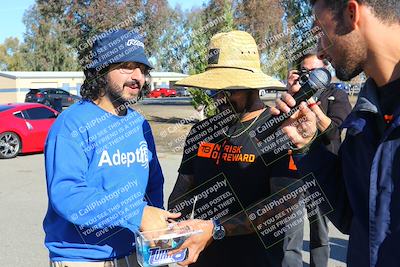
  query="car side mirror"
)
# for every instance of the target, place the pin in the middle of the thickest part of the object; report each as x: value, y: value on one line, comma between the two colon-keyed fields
x: 56, y: 114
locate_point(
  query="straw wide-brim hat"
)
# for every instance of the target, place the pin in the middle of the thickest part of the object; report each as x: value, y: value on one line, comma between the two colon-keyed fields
x: 233, y: 63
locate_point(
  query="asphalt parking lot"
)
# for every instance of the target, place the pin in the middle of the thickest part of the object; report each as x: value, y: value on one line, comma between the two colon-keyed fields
x: 23, y: 203
x: 23, y: 198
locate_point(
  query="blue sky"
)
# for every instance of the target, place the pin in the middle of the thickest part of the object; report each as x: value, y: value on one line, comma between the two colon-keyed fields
x: 11, y: 14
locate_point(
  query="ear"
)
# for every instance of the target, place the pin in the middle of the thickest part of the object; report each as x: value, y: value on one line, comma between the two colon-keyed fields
x: 352, y: 14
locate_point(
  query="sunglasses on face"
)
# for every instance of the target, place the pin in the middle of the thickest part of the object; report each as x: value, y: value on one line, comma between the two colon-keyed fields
x: 226, y: 93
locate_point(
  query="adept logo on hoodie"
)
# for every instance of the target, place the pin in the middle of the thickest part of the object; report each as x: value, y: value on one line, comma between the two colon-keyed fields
x: 144, y: 154
x: 120, y: 158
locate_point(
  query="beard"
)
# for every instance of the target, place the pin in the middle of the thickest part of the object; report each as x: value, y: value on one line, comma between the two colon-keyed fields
x: 352, y: 56
x: 116, y: 92
x: 232, y: 106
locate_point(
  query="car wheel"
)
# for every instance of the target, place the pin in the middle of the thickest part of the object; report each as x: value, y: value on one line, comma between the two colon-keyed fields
x: 10, y: 145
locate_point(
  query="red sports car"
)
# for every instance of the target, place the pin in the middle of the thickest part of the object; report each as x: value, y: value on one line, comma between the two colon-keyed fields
x: 162, y: 92
x: 24, y: 128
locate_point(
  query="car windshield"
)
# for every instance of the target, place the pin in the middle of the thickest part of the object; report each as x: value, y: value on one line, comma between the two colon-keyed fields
x: 4, y: 108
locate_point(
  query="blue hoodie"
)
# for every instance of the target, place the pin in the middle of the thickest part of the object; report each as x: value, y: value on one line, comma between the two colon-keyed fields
x: 101, y: 171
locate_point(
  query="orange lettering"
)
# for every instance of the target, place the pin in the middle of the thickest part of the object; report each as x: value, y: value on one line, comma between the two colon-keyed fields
x: 252, y: 158
x: 224, y: 156
x: 205, y: 150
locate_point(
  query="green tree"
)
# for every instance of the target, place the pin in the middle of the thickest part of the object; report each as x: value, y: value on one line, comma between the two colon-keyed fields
x: 156, y: 15
x: 197, y: 48
x: 196, y: 55
x: 83, y: 20
x: 11, y: 58
x: 298, y: 18
x: 217, y: 16
x: 45, y: 48
x: 228, y: 14
x: 263, y: 20
x: 173, y: 43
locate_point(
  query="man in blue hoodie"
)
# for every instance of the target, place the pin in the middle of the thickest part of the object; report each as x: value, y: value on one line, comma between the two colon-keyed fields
x: 104, y: 180
x: 363, y: 181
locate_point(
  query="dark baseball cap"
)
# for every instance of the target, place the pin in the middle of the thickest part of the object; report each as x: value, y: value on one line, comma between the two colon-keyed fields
x: 118, y: 46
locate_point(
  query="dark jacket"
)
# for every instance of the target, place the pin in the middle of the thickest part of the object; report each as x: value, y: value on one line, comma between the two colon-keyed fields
x: 362, y: 183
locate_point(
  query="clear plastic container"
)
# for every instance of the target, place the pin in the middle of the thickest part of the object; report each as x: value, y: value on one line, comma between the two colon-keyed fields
x: 152, y: 247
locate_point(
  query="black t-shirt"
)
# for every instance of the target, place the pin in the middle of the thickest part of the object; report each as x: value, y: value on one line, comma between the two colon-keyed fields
x: 228, y: 148
x: 224, y: 145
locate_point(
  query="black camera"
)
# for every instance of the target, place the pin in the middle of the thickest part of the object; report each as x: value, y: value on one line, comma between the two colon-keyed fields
x: 304, y: 76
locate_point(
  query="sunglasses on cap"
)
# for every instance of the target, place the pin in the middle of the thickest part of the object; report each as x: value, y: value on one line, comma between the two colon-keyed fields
x: 129, y: 67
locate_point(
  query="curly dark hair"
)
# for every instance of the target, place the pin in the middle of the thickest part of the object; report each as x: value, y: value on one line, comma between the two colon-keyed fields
x: 386, y: 10
x: 96, y: 81
x: 94, y: 84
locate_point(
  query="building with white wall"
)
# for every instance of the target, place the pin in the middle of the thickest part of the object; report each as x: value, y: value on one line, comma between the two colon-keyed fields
x: 15, y: 84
